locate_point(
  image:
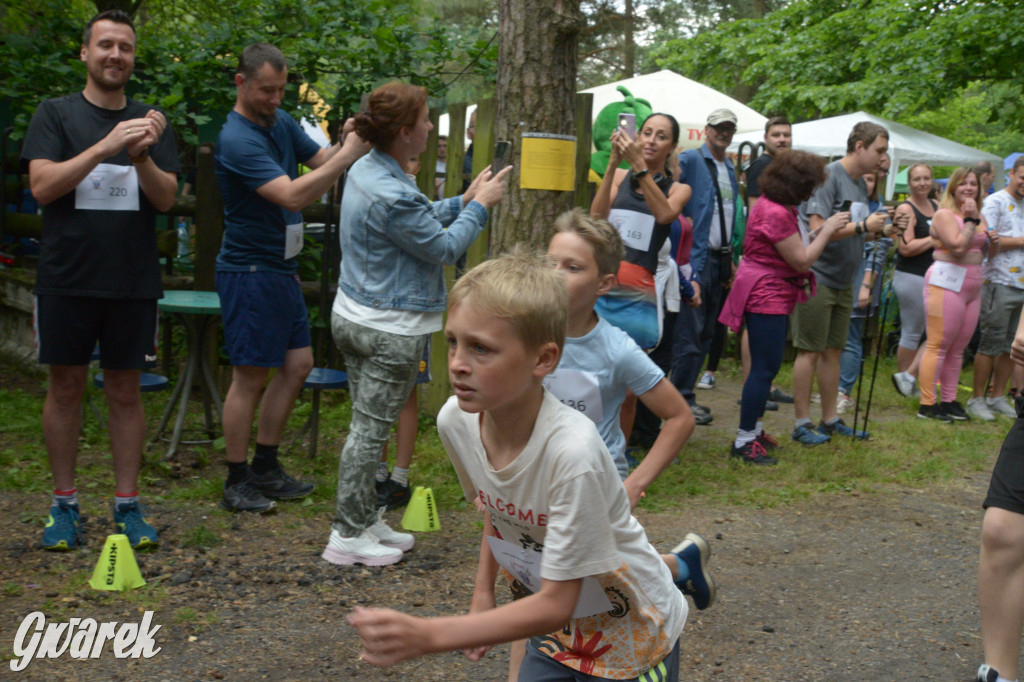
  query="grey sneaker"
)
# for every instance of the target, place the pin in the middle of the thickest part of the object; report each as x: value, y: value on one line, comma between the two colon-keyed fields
x: 977, y: 408
x: 1000, y: 406
x: 244, y: 497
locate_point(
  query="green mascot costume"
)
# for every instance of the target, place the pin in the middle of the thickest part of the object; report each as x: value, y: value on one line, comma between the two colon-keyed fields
x: 608, y: 120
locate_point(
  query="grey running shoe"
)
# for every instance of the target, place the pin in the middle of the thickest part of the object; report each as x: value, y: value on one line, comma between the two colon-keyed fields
x: 279, y: 485
x: 243, y: 497
x: 977, y: 408
x: 1000, y: 406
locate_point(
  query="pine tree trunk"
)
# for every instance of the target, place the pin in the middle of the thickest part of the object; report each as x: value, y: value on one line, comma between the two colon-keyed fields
x: 536, y: 93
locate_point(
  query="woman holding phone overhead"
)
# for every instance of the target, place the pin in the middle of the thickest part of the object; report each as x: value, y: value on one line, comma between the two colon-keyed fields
x: 952, y: 289
x: 642, y: 202
x: 391, y: 297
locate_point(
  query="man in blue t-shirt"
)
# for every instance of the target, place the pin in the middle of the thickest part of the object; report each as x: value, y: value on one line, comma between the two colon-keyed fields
x: 266, y: 324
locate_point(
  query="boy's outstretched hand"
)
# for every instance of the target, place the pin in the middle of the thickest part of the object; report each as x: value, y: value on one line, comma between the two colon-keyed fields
x: 388, y: 636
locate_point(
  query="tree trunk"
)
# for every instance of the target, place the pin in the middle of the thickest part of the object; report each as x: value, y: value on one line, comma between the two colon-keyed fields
x: 629, y: 45
x: 536, y: 93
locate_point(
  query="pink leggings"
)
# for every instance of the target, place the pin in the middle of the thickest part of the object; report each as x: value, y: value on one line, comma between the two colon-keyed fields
x: 951, y: 319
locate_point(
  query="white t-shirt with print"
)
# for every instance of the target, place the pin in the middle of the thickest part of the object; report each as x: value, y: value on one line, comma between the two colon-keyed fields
x: 562, y: 496
x: 1005, y: 214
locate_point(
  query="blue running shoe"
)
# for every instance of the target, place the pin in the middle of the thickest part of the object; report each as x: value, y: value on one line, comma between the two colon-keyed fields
x: 61, y: 532
x: 129, y: 520
x: 805, y: 435
x: 840, y: 427
x: 694, y: 551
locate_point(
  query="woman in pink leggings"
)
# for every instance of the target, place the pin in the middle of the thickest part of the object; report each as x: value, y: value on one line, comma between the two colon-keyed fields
x: 952, y: 286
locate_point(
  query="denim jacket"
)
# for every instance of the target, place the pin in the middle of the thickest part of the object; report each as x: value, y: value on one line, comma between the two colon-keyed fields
x: 395, y: 241
x: 693, y: 170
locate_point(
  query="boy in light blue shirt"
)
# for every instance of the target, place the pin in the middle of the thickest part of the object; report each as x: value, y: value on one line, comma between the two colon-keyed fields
x: 601, y: 362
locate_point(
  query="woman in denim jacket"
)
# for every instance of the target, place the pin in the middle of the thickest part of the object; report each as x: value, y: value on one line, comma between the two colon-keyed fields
x: 391, y: 297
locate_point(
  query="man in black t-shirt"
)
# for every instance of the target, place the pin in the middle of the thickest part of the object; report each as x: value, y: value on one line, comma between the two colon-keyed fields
x: 101, y: 165
x: 778, y: 134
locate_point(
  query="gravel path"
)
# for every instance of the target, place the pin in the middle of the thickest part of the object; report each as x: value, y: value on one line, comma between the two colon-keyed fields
x: 847, y: 586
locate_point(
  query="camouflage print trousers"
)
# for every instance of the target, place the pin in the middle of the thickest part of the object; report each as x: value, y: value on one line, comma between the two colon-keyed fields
x: 381, y: 368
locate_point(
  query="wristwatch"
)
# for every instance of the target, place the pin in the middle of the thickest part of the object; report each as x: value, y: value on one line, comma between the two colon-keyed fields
x: 640, y: 174
x: 141, y: 158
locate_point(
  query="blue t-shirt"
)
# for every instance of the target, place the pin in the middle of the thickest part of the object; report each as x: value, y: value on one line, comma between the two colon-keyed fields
x: 593, y: 375
x: 249, y: 156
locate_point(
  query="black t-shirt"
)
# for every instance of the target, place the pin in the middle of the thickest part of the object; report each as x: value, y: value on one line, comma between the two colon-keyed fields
x: 95, y: 251
x: 754, y: 172
x: 919, y: 264
x: 630, y: 200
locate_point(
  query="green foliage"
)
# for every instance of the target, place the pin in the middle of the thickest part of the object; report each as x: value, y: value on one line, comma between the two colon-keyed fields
x: 188, y: 52
x: 816, y: 58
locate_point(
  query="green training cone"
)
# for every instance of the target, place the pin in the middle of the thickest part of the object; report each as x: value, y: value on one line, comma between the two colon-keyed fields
x: 116, y: 568
x: 421, y: 512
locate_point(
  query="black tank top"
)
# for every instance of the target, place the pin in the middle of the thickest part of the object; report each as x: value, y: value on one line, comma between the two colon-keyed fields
x: 919, y: 264
x: 638, y: 233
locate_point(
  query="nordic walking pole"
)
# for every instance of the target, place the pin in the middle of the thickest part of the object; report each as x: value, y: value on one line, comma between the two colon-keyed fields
x: 878, y: 351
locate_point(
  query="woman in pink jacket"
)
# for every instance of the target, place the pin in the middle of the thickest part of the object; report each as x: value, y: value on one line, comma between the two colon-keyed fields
x: 772, y: 277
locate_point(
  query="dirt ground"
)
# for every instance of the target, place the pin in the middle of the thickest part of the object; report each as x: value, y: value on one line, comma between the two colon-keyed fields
x: 846, y: 586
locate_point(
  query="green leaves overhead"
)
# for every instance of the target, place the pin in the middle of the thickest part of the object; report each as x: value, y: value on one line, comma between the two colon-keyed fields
x: 817, y: 58
x: 188, y: 51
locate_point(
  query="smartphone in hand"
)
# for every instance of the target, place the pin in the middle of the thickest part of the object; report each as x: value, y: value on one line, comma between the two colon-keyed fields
x: 627, y: 125
x: 502, y: 152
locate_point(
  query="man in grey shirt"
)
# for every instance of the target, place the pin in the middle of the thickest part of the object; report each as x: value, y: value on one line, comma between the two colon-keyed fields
x: 821, y: 324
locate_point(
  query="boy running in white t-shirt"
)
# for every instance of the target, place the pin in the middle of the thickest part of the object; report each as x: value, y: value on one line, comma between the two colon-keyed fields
x: 597, y: 597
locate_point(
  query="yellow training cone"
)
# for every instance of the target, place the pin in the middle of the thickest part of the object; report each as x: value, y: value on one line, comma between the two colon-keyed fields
x: 116, y: 568
x: 421, y: 512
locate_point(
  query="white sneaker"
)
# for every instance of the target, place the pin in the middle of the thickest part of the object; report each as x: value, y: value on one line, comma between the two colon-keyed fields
x: 365, y: 549
x: 977, y: 408
x: 388, y: 537
x: 843, y: 402
x: 1001, y: 405
x: 707, y: 380
x: 904, y: 383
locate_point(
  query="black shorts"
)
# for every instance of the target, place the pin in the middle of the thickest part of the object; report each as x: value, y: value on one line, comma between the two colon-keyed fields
x: 1006, y: 489
x: 69, y: 327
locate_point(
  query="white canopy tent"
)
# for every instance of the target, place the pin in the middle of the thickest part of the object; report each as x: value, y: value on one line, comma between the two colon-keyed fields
x: 689, y: 101
x: 907, y: 145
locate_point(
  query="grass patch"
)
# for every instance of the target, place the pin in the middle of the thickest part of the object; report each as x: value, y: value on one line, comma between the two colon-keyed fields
x: 903, y: 450
x: 200, y: 536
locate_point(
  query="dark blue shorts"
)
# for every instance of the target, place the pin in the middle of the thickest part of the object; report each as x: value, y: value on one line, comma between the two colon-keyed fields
x: 68, y: 328
x: 264, y: 317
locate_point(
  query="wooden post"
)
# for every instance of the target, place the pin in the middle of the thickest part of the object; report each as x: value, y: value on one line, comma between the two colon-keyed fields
x: 584, y: 136
x: 456, y: 150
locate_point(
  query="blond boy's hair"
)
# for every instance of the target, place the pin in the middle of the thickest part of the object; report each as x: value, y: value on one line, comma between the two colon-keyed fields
x: 604, y: 240
x: 523, y: 289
